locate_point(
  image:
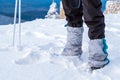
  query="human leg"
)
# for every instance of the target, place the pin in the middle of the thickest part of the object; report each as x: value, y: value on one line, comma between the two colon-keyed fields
x: 94, y: 19
x: 74, y: 30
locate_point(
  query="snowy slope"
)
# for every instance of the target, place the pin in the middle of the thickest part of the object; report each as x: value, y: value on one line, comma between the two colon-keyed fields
x: 43, y: 37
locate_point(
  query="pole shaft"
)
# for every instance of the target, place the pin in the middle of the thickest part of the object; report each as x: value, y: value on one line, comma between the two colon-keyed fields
x: 19, y: 23
x: 15, y: 16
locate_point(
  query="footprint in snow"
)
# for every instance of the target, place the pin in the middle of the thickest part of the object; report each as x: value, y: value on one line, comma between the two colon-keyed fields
x: 32, y: 57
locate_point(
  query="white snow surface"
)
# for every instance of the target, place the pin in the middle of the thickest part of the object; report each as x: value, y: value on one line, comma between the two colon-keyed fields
x: 41, y: 39
x: 52, y: 12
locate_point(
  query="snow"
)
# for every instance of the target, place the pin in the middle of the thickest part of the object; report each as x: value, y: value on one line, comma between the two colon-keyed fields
x: 52, y: 12
x: 41, y: 39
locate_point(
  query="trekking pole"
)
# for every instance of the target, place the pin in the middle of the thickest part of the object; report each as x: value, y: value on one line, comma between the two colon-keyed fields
x: 19, y: 23
x: 17, y: 6
x: 15, y: 16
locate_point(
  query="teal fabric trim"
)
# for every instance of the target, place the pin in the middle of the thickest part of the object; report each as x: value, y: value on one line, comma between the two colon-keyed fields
x: 105, y: 47
x: 65, y: 25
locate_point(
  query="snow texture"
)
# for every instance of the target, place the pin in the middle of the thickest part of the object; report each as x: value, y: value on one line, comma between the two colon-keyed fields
x: 52, y: 12
x: 42, y: 41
